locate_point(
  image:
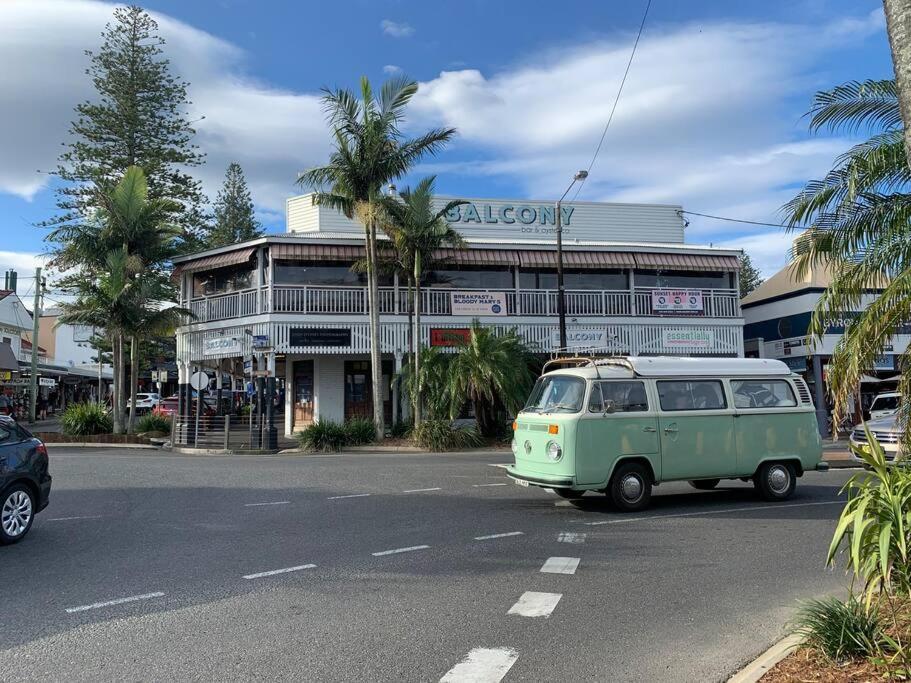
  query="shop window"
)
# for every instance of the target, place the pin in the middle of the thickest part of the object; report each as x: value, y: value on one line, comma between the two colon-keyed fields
x: 322, y: 274
x: 471, y: 278
x: 574, y: 279
x: 684, y: 280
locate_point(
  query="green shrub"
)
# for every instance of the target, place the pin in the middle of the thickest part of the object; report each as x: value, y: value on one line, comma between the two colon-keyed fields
x: 83, y: 419
x: 360, y: 431
x: 324, y: 436
x: 840, y: 630
x: 400, y: 430
x: 153, y: 422
x: 441, y: 435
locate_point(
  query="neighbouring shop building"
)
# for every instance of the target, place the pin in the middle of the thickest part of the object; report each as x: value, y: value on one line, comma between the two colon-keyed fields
x: 632, y: 287
x: 777, y: 318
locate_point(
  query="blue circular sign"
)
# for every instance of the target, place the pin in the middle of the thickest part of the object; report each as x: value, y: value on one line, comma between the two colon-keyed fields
x: 496, y: 308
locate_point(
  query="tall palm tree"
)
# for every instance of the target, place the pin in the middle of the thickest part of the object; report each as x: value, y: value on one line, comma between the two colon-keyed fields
x: 898, y: 27
x: 858, y: 220
x: 369, y: 152
x: 417, y: 231
x: 492, y: 372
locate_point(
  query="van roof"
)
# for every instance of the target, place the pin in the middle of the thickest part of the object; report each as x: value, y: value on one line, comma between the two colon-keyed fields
x: 670, y: 366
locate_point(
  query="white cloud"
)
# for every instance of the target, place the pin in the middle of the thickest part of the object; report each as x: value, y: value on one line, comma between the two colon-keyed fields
x: 396, y: 29
x: 392, y: 69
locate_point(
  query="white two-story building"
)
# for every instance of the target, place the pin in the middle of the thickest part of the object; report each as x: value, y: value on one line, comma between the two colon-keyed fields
x: 632, y: 287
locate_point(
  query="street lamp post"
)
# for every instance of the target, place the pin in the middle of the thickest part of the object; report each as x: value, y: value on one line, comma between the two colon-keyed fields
x: 561, y: 295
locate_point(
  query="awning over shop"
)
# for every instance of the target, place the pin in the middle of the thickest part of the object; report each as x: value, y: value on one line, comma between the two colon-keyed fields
x: 229, y: 258
x: 701, y: 262
x: 576, y: 259
x: 316, y: 252
x: 8, y: 358
x: 477, y: 257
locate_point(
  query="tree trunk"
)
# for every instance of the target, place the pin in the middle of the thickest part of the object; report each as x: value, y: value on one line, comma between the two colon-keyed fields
x: 134, y: 381
x: 117, y: 362
x: 418, y: 393
x: 376, y: 369
x: 122, y: 400
x: 410, y: 306
x: 898, y: 26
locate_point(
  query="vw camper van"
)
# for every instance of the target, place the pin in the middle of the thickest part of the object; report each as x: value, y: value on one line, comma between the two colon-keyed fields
x: 623, y: 425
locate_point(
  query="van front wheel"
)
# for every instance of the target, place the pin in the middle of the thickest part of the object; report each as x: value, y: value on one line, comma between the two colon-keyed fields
x: 631, y: 487
x: 775, y: 480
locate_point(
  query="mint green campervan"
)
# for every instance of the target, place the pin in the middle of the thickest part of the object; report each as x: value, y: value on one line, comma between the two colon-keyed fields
x: 623, y: 425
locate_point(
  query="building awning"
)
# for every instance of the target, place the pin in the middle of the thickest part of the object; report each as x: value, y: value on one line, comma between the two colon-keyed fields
x: 229, y: 258
x: 577, y: 259
x: 317, y: 252
x: 476, y: 257
x: 701, y: 262
x: 8, y: 358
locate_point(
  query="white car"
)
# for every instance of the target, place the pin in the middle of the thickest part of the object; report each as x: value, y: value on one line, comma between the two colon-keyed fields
x: 886, y: 431
x: 885, y: 404
x: 145, y: 401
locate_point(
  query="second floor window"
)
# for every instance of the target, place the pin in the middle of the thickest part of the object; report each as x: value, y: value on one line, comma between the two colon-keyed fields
x: 323, y: 274
x: 223, y: 280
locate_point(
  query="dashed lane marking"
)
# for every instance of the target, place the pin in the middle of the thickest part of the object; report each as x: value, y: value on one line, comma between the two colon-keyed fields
x: 570, y: 537
x: 273, y: 572
x: 422, y: 490
x: 487, y: 538
x: 350, y: 495
x: 497, y: 464
x: 276, y: 502
x: 478, y: 486
x: 111, y: 603
x: 482, y: 665
x: 752, y: 508
x: 560, y: 565
x: 533, y: 604
x: 68, y: 519
x: 396, y: 551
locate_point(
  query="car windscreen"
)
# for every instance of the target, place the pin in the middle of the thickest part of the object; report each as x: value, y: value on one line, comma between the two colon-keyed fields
x: 556, y: 394
x: 886, y: 403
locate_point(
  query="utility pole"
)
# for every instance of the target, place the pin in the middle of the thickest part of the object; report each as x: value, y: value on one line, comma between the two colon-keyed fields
x: 36, y: 321
x: 561, y: 293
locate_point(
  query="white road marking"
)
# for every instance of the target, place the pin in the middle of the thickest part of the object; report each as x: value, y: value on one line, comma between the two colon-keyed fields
x: 477, y: 486
x: 401, y: 550
x: 487, y: 538
x: 533, y: 604
x: 570, y: 537
x: 277, y: 502
x: 273, y: 572
x: 482, y: 665
x: 756, y: 508
x: 67, y: 519
x: 497, y: 464
x: 549, y: 490
x: 110, y: 603
x: 351, y: 495
x: 563, y: 504
x: 560, y: 565
x: 422, y: 490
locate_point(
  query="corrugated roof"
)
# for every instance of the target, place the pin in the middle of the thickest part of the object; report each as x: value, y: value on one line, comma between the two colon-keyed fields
x: 477, y: 257
x: 577, y: 259
x: 317, y: 252
x: 666, y: 261
x: 8, y: 358
x: 229, y: 258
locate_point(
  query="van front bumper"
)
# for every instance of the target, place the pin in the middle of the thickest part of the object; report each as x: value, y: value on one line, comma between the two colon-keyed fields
x: 540, y: 480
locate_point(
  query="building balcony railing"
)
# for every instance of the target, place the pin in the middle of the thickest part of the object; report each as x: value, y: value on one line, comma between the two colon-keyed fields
x: 435, y: 301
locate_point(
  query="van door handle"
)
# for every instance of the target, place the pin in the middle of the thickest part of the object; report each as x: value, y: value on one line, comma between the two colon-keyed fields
x: 649, y: 429
x: 670, y: 430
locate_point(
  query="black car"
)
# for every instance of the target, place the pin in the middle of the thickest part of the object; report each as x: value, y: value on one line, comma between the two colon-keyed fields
x: 25, y: 484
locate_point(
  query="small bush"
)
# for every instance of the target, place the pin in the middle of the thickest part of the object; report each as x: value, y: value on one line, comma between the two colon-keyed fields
x: 153, y: 422
x: 324, y: 436
x: 360, y: 431
x: 83, y: 419
x: 441, y: 435
x: 839, y: 630
x: 400, y: 430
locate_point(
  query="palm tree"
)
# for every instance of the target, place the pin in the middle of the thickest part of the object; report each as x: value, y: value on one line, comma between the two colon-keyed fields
x: 434, y: 379
x: 492, y: 372
x: 859, y: 225
x: 898, y: 26
x: 416, y: 232
x: 369, y: 152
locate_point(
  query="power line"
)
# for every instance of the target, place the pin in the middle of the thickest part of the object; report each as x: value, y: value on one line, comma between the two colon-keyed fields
x: 617, y: 98
x: 737, y: 220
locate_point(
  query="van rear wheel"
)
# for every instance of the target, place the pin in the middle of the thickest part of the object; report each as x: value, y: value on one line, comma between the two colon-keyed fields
x: 631, y: 487
x: 704, y: 484
x: 775, y: 480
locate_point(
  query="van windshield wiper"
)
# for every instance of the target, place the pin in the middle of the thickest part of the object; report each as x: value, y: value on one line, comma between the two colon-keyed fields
x: 562, y: 406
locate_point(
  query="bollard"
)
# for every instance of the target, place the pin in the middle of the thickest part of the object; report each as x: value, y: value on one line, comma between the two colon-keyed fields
x: 227, y: 430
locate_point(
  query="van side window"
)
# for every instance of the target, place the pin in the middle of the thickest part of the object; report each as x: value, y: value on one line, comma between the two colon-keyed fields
x: 691, y: 395
x: 628, y: 397
x: 766, y: 393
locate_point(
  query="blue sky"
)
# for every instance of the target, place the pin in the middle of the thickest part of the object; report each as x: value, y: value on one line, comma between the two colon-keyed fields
x: 711, y: 117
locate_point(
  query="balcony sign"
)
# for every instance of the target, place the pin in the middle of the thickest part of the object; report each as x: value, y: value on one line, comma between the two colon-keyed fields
x: 688, y: 339
x: 219, y: 345
x: 319, y: 336
x: 677, y: 300
x: 579, y: 339
x: 478, y: 303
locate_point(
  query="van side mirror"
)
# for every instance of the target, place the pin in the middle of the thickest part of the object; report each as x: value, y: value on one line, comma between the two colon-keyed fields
x: 608, y: 407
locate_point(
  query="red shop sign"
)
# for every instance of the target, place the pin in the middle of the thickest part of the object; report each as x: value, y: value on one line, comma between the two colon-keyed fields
x: 449, y: 336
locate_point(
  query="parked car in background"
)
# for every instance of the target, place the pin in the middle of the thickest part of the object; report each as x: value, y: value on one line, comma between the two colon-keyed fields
x: 168, y: 406
x: 885, y: 404
x: 885, y: 430
x: 25, y: 482
x: 145, y: 401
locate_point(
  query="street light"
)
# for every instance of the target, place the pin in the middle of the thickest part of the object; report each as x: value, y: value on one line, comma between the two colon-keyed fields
x: 561, y: 300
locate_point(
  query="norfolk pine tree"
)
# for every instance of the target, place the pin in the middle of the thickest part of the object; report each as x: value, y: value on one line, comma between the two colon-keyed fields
x: 234, y: 218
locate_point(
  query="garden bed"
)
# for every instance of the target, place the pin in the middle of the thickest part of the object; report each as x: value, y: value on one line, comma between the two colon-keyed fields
x: 57, y: 437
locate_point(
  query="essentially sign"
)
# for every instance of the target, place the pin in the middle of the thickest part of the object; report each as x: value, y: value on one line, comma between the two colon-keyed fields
x: 260, y: 341
x: 677, y: 300
x: 688, y: 339
x: 319, y: 336
x: 219, y: 345
x: 477, y: 303
x: 449, y: 336
x: 199, y: 381
x: 594, y: 339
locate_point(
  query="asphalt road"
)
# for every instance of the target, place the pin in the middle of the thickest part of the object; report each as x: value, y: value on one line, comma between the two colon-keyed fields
x: 689, y: 590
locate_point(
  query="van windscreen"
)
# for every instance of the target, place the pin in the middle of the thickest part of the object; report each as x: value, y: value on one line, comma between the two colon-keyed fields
x: 556, y: 393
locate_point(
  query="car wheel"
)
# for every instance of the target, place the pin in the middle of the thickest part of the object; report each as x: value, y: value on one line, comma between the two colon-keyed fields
x: 631, y: 487
x: 17, y: 512
x: 704, y: 484
x: 775, y: 480
x: 569, y: 494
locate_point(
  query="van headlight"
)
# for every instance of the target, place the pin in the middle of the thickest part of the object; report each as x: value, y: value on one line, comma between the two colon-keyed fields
x: 554, y: 452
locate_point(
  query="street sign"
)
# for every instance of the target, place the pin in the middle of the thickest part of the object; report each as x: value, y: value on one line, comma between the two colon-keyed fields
x: 248, y: 366
x: 199, y: 381
x: 260, y: 341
